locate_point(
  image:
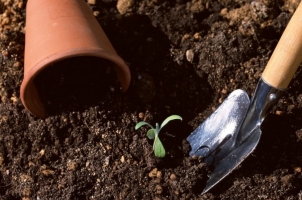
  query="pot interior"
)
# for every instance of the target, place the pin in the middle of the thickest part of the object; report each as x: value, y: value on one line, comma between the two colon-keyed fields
x: 76, y: 83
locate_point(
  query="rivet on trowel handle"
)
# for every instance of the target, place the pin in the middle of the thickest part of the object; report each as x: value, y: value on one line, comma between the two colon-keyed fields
x: 272, y: 97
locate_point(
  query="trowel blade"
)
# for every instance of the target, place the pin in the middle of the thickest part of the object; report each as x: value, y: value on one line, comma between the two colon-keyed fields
x: 233, y: 159
x: 213, y: 139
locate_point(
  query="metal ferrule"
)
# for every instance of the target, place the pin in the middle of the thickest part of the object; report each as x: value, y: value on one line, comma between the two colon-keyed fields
x: 263, y: 100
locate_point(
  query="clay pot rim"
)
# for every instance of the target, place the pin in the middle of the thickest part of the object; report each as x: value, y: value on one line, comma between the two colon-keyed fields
x: 38, y: 110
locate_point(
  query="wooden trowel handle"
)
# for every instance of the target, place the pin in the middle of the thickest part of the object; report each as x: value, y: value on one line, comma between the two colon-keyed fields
x: 287, y: 55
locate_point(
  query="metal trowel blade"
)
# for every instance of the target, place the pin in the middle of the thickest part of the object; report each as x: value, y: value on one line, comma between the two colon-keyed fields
x: 233, y: 159
x: 214, y: 137
x: 233, y: 131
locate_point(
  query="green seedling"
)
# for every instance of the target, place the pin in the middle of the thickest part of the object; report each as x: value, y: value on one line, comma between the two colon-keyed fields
x: 158, y: 148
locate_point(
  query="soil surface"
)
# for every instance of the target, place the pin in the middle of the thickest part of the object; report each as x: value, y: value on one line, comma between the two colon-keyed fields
x: 185, y: 57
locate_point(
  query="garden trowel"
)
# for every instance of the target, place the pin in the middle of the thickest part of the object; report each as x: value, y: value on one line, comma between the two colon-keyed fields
x: 233, y: 131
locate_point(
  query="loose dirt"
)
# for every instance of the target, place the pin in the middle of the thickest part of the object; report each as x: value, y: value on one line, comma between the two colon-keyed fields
x: 185, y: 57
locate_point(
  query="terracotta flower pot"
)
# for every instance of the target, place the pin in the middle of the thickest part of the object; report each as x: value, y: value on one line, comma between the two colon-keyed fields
x: 58, y: 30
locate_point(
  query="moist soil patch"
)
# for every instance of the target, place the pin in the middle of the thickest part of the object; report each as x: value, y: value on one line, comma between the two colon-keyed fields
x: 185, y: 57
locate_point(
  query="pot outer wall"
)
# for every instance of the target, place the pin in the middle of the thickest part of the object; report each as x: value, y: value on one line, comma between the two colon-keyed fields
x: 57, y: 30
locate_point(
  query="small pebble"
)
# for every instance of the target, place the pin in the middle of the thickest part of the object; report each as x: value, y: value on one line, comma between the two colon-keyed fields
x: 122, y: 159
x: 197, y: 36
x: 297, y: 169
x: 172, y: 176
x: 224, y: 11
x: 17, y: 65
x: 91, y: 2
x: 278, y: 112
x: 42, y: 152
x: 20, y: 4
x: 224, y: 91
x: 123, y: 6
x: 141, y: 115
x: 14, y: 99
x: 48, y: 172
x: 190, y: 55
x: 96, y: 13
x: 153, y: 173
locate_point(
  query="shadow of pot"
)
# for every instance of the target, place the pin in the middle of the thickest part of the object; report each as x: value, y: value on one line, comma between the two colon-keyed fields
x: 57, y: 30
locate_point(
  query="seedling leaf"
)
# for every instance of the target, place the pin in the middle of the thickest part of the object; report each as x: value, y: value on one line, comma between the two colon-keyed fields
x: 151, y: 134
x: 159, y: 149
x: 172, y: 117
x: 140, y: 124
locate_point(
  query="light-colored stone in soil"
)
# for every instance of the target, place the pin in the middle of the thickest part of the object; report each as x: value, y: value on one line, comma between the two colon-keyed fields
x: 123, y: 6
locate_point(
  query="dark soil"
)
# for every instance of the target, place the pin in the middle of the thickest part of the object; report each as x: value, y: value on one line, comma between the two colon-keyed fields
x: 185, y: 58
x: 76, y: 84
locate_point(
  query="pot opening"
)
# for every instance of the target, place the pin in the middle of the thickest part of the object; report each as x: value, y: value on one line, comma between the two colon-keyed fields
x: 77, y: 83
